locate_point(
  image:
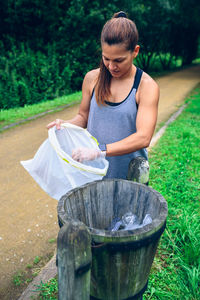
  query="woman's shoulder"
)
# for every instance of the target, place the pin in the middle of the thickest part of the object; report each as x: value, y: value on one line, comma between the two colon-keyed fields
x: 148, y: 82
x: 90, y: 80
x: 92, y: 76
x: 148, y: 89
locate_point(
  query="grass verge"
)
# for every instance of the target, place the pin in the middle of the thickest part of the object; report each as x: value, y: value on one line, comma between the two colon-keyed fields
x: 15, y: 115
x: 175, y: 168
x: 174, y: 173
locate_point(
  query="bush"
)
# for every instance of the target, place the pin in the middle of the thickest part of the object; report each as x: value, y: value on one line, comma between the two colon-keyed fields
x: 28, y: 77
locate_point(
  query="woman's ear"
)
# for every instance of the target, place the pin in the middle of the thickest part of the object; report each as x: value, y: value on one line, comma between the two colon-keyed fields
x: 136, y: 51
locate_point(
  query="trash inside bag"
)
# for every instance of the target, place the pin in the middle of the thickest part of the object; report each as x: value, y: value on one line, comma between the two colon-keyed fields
x: 129, y: 221
x: 53, y: 167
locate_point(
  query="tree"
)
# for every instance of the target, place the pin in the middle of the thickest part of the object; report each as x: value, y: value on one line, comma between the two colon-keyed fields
x: 185, y: 29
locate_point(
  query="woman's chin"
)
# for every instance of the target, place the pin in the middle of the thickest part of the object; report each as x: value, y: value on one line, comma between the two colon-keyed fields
x: 115, y: 74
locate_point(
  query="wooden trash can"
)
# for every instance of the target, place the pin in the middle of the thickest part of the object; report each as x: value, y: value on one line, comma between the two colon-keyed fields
x: 121, y: 260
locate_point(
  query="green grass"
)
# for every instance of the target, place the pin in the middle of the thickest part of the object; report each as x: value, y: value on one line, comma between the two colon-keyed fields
x: 175, y: 168
x: 18, y: 278
x: 52, y: 241
x: 48, y: 291
x: 15, y: 115
x: 24, y: 276
x: 36, y: 260
x: 174, y: 173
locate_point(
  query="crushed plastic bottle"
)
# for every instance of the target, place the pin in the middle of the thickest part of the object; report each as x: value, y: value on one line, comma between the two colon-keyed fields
x: 115, y: 225
x: 129, y: 221
x: 129, y: 218
x: 147, y: 220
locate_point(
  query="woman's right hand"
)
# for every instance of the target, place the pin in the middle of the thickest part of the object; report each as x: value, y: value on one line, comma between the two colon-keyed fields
x: 56, y: 123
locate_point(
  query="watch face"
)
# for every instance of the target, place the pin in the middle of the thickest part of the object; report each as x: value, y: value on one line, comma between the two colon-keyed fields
x: 102, y: 147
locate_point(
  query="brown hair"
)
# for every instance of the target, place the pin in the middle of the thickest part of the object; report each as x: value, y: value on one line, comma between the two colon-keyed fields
x: 118, y: 30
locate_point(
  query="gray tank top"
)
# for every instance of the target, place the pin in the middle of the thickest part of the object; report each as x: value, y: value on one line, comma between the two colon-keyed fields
x: 113, y: 122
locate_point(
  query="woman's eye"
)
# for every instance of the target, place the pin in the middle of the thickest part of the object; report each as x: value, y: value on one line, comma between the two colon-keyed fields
x: 116, y: 61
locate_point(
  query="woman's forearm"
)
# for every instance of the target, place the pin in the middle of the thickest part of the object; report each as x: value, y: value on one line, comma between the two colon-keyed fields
x: 130, y: 144
x: 78, y: 120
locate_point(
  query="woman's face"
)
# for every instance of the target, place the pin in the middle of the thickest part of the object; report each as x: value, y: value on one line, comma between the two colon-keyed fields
x: 117, y: 59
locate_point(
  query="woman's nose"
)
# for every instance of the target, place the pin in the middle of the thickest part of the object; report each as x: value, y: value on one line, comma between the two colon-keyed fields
x: 112, y: 66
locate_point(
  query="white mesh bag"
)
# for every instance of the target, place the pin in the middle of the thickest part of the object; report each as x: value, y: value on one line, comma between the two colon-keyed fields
x: 53, y: 167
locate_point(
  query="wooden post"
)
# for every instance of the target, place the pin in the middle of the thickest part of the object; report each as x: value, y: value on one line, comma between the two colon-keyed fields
x: 74, y: 261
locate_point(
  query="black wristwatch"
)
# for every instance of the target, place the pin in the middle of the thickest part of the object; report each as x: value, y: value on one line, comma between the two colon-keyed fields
x: 102, y: 147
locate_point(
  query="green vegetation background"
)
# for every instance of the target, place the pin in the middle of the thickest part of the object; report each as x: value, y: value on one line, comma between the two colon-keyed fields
x: 46, y: 47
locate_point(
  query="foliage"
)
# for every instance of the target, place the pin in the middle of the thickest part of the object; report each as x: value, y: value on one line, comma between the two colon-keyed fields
x: 47, y: 48
x: 18, y: 279
x: 168, y: 29
x: 36, y: 260
x: 185, y: 29
x: 29, y: 77
x: 49, y: 290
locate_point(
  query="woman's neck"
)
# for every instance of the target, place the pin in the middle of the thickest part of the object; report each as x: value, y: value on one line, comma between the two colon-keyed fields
x: 128, y: 75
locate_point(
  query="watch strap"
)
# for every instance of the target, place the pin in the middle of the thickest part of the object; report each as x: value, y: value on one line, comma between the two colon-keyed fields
x: 102, y: 147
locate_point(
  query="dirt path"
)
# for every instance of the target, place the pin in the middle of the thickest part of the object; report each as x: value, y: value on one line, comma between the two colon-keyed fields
x: 28, y: 216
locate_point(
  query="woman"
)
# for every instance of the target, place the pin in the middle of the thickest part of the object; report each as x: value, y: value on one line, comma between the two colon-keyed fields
x: 119, y: 101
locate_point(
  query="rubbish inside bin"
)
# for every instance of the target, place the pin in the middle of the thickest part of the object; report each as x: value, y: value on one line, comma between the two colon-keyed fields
x: 53, y: 167
x: 129, y: 221
x: 115, y: 225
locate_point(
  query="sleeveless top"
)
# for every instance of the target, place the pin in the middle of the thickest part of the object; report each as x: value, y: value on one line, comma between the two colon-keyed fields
x: 113, y: 122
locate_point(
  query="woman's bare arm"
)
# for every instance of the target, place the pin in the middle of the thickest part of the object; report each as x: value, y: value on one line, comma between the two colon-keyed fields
x: 145, y: 122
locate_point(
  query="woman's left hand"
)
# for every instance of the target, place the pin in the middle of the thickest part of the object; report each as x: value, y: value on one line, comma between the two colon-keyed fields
x: 86, y: 154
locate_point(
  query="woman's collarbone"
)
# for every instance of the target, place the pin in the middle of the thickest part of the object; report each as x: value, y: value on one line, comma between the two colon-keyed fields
x: 119, y: 93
